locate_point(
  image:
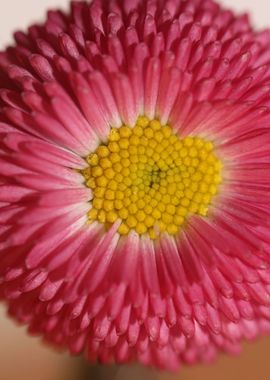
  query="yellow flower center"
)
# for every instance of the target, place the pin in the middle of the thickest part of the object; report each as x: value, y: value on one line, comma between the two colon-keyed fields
x: 150, y: 179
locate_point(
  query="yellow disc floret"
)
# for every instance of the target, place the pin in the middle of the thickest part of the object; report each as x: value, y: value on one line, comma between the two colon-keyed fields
x: 151, y: 179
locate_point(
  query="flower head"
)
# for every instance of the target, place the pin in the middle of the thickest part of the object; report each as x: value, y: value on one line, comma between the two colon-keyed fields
x: 134, y: 191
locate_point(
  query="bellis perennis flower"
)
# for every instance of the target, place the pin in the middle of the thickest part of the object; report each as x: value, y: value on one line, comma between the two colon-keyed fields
x: 134, y: 155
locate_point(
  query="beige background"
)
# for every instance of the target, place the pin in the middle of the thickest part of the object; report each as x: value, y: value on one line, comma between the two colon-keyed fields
x: 24, y: 358
x: 16, y: 14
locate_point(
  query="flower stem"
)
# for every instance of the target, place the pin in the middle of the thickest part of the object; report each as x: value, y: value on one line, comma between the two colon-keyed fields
x: 113, y: 372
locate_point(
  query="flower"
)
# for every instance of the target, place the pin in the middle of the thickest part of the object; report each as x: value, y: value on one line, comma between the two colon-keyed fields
x: 134, y: 194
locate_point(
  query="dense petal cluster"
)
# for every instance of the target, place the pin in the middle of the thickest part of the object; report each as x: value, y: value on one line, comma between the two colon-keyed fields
x: 95, y: 282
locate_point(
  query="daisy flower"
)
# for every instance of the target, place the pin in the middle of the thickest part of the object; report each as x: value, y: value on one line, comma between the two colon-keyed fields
x: 134, y: 182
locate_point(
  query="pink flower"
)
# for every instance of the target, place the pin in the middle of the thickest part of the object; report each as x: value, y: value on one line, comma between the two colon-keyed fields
x: 135, y: 170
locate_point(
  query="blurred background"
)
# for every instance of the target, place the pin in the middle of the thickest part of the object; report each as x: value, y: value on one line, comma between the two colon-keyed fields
x: 25, y: 358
